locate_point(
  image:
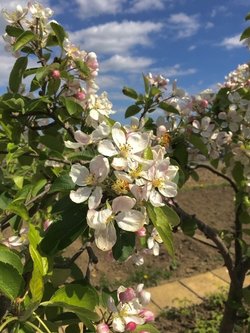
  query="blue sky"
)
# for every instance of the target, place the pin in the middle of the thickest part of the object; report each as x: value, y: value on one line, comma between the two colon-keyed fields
x: 193, y: 41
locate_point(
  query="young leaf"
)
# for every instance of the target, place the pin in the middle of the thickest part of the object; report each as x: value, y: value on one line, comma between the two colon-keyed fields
x: 16, y: 74
x: 245, y: 34
x: 132, y: 110
x: 11, y: 281
x: 198, y: 143
x: 62, y: 183
x: 168, y: 107
x: 13, y: 31
x: 130, y: 92
x: 12, y: 258
x: 59, y: 32
x: 72, y: 106
x: 23, y: 39
x: 124, y: 246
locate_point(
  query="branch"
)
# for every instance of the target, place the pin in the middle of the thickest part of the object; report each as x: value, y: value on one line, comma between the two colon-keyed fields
x: 229, y: 180
x: 211, y: 234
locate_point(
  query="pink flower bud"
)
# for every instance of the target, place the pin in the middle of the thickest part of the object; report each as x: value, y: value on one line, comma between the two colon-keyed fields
x: 147, y: 315
x: 204, y: 103
x: 127, y: 295
x: 141, y: 232
x: 46, y: 224
x: 102, y: 328
x: 56, y: 74
x: 131, y: 326
x: 80, y: 95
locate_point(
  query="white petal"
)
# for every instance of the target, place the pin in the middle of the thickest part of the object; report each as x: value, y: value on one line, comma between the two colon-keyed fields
x: 95, y: 198
x: 99, y: 166
x: 107, y: 148
x: 119, y: 163
x: 138, y: 141
x: 81, y: 137
x: 150, y: 242
x: 169, y: 190
x: 130, y: 221
x: 119, y: 137
x: 155, y: 198
x: 118, y: 324
x: 123, y: 204
x: 79, y: 174
x: 80, y: 195
x: 72, y: 145
x: 105, y: 238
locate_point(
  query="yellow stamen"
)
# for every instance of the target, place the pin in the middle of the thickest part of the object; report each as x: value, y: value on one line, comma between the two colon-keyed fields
x: 120, y: 186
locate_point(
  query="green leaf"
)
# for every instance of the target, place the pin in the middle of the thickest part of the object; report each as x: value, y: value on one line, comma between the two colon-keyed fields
x: 124, y: 246
x: 166, y: 213
x: 18, y: 180
x: 36, y: 287
x: 26, y: 37
x: 148, y: 154
x: 19, y: 209
x: 62, y: 183
x: 12, y: 258
x: 245, y: 34
x: 132, y: 110
x: 160, y: 218
x: 238, y: 173
x: 168, y: 107
x: 11, y: 282
x: 247, y: 17
x: 146, y: 83
x: 198, y: 143
x: 59, y: 32
x: 16, y: 74
x: 39, y: 261
x: 147, y: 328
x: 62, y: 233
x: 53, y: 142
x: 13, y: 31
x: 82, y: 300
x: 72, y: 106
x: 53, y: 86
x: 130, y: 92
x: 188, y: 226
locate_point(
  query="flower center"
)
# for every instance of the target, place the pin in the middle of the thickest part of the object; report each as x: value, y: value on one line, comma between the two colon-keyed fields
x: 120, y: 186
x: 165, y: 140
x: 136, y: 172
x: 125, y: 150
x: 158, y: 182
x: 90, y: 180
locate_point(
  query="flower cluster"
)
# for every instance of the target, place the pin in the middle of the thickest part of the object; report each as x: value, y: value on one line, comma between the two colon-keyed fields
x: 130, y: 311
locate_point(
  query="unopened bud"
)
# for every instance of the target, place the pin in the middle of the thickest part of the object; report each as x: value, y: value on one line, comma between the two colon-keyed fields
x: 56, y: 74
x: 80, y: 95
x: 147, y: 315
x: 141, y: 232
x: 102, y: 328
x: 127, y: 295
x: 131, y: 326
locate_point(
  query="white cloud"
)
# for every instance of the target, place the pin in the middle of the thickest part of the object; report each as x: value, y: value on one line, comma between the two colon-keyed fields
x: 231, y: 42
x: 97, y: 7
x: 125, y: 63
x: 115, y: 37
x: 209, y: 25
x: 142, y: 5
x: 183, y: 25
x: 176, y: 70
x: 109, y: 81
x: 192, y: 47
x: 217, y: 10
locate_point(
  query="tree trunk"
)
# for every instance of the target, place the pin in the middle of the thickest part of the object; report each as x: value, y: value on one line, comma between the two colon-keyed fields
x: 231, y: 306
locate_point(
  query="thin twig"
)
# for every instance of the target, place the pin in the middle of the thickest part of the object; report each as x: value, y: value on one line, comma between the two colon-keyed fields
x: 216, y: 172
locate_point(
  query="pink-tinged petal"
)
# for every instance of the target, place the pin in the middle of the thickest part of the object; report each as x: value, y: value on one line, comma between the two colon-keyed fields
x: 92, y: 218
x: 79, y: 174
x: 155, y: 198
x: 107, y: 148
x: 138, y: 141
x: 119, y: 163
x: 169, y: 190
x: 99, y: 166
x: 80, y: 195
x: 82, y: 138
x: 95, y: 198
x: 102, y: 131
x: 123, y: 204
x: 119, y: 137
x: 72, y: 145
x: 130, y: 221
x: 105, y: 238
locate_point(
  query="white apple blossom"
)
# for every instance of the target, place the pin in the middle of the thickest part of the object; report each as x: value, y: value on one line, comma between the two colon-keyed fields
x: 15, y: 16
x: 120, y: 212
x: 123, y: 147
x: 153, y: 242
x: 90, y: 181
